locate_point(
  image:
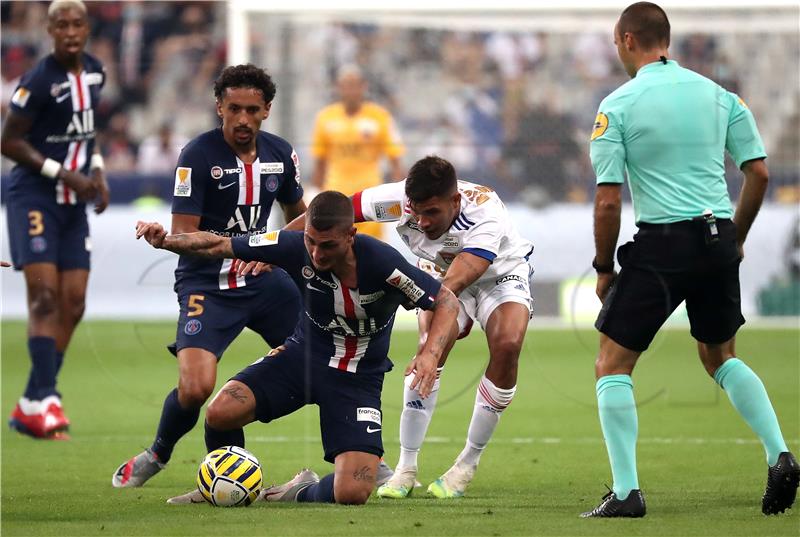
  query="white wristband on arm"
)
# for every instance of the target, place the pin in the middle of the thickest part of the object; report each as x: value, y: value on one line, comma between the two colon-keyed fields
x: 97, y: 162
x: 50, y: 168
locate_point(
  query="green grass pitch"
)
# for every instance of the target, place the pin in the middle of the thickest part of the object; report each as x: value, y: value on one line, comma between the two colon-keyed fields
x: 701, y: 468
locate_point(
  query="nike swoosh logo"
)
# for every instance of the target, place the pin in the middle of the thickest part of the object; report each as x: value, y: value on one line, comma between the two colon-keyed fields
x: 371, y: 430
x: 314, y: 288
x: 223, y: 187
x: 61, y: 98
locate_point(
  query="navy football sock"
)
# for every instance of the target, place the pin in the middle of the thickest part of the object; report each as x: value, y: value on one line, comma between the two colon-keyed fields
x: 175, y: 422
x: 321, y: 492
x: 59, y: 361
x: 216, y: 439
x: 42, y: 379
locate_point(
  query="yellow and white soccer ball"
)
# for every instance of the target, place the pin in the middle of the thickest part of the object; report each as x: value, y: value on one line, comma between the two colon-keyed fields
x: 229, y: 477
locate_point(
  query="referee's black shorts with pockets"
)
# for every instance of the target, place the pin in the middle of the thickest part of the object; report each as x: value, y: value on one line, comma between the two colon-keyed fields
x: 664, y: 265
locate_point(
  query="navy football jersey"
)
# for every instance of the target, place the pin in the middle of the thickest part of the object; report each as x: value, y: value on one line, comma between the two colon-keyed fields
x: 347, y: 328
x: 232, y: 199
x: 61, y: 106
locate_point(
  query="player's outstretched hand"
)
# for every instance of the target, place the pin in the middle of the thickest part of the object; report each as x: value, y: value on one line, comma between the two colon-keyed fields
x: 423, y: 367
x: 253, y: 267
x: 153, y: 232
x: 85, y: 188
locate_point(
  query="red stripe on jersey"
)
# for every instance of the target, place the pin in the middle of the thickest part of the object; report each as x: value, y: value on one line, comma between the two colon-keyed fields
x: 73, y: 165
x: 357, y: 212
x: 350, y: 342
x: 248, y: 174
x: 232, y: 274
x: 66, y: 193
x: 80, y: 92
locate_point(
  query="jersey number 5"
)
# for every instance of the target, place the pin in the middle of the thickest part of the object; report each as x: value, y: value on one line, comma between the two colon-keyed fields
x: 196, y: 305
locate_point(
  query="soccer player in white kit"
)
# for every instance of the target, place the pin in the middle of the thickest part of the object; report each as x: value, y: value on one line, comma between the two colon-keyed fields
x: 462, y: 234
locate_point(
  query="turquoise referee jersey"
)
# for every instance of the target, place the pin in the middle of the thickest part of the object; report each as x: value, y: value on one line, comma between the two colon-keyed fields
x: 670, y: 127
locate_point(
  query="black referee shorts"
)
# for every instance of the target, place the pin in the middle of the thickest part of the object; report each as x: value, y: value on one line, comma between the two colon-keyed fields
x: 665, y: 265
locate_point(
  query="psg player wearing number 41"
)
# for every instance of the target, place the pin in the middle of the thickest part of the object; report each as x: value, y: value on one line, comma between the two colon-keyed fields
x: 225, y: 183
x: 337, y: 356
x: 49, y: 133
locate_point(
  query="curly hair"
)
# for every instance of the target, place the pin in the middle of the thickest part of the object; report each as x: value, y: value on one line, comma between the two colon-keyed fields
x: 245, y: 76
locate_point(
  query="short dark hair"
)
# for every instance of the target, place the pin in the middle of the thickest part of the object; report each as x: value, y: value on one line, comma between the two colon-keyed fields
x: 330, y: 209
x: 430, y: 177
x: 245, y: 76
x: 648, y: 22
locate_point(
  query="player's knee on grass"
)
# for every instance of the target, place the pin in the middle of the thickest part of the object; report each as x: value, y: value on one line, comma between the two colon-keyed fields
x: 349, y: 491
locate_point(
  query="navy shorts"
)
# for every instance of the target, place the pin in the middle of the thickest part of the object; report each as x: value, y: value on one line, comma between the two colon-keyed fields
x: 42, y: 231
x: 664, y: 266
x: 212, y: 320
x: 349, y: 403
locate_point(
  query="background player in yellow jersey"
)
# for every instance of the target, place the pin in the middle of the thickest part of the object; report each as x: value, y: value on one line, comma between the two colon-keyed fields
x: 351, y: 137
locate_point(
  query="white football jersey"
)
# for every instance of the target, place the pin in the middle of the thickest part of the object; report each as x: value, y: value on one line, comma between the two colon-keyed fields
x: 482, y: 227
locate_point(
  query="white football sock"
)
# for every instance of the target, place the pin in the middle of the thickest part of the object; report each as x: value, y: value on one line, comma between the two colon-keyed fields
x: 490, y: 402
x: 414, y: 420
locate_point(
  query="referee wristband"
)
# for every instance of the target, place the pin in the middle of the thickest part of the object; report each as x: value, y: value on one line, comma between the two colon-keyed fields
x: 97, y: 162
x: 603, y: 269
x: 50, y: 168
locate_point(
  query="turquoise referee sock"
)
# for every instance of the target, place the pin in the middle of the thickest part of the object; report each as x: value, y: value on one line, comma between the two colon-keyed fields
x: 620, y: 426
x: 750, y: 399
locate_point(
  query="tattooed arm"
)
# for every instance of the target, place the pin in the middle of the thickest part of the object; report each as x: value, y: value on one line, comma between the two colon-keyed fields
x: 465, y: 269
x: 442, y: 327
x: 201, y: 243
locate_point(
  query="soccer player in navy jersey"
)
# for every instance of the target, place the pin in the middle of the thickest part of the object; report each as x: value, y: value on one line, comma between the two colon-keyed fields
x: 225, y: 183
x: 49, y: 133
x: 337, y: 356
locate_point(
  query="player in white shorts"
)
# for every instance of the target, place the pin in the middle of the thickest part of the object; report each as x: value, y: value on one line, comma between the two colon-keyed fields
x: 463, y: 234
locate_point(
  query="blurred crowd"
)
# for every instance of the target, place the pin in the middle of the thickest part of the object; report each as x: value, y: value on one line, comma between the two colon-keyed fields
x: 511, y: 109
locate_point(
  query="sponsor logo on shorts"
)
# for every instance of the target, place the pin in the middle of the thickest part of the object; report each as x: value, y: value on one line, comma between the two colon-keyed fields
x: 368, y: 414
x: 38, y: 245
x: 216, y: 172
x: 272, y: 182
x: 509, y: 278
x: 371, y: 430
x: 271, y: 167
x: 193, y: 326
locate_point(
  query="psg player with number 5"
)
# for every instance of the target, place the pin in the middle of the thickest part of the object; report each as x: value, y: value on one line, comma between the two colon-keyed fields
x: 225, y: 183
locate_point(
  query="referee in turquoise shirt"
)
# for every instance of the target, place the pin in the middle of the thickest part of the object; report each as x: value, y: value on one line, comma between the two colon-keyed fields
x: 669, y: 127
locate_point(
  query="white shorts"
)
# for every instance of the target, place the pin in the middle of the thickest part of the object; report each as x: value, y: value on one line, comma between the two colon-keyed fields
x: 480, y: 299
